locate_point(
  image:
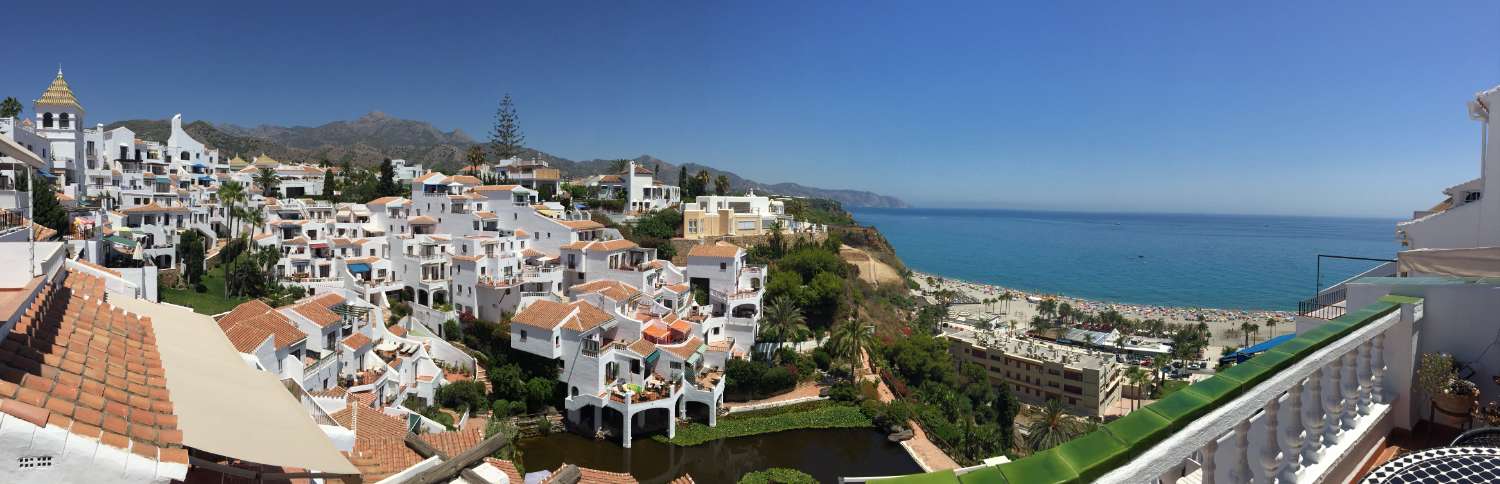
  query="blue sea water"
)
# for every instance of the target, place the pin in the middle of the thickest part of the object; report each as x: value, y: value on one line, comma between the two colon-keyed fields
x: 1215, y: 261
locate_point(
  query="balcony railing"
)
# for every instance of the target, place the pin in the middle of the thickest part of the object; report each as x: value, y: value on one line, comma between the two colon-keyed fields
x: 1326, y: 305
x: 1307, y: 411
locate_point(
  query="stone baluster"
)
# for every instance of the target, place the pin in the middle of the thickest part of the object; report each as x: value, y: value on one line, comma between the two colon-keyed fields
x: 1173, y: 474
x: 1333, y: 406
x: 1269, y: 450
x: 1239, y: 460
x: 1349, y: 388
x: 1291, y: 435
x: 1210, y: 450
x: 1362, y: 373
x: 1377, y: 370
x: 1312, y: 418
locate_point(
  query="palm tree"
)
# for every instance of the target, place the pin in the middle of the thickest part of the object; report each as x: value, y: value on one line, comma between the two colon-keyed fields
x: 852, y: 339
x: 267, y: 181
x: 1137, y: 377
x: 1271, y: 326
x: 1245, y: 328
x: 1006, y: 297
x: 782, y: 320
x: 253, y: 218
x: 1052, y: 428
x: 230, y: 195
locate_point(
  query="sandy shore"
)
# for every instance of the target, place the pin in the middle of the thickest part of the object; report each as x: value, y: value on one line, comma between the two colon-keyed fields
x: 1220, y: 321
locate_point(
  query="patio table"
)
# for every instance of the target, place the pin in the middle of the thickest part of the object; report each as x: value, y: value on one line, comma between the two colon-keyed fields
x: 1440, y: 465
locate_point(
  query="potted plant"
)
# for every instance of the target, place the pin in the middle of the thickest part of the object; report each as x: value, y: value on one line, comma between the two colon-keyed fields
x: 1451, y: 396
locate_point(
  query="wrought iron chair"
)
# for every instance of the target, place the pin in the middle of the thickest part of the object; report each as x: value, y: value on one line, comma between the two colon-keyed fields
x: 1480, y: 437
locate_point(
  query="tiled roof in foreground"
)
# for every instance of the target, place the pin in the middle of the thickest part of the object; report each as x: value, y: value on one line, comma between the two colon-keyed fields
x: 76, y: 365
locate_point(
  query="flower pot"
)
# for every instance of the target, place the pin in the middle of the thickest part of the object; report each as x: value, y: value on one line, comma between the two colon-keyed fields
x: 1453, y: 410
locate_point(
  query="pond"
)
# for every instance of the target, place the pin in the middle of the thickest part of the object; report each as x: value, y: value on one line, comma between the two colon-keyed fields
x: 826, y: 454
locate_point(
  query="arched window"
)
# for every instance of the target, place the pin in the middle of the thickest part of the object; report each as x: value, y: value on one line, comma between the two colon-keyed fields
x: 62, y: 121
x: 47, y: 120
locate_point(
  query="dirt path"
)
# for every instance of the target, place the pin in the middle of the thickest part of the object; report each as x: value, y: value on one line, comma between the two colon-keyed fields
x: 872, y: 270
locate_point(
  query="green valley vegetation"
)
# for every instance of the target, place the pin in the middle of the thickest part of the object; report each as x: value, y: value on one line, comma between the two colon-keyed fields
x: 810, y: 415
x: 522, y: 383
x: 653, y: 230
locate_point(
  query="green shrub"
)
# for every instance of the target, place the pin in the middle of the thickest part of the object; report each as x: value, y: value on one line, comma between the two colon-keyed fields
x: 463, y: 395
x: 778, y: 475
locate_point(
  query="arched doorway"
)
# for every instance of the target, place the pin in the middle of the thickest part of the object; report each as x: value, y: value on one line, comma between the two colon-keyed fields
x: 745, y: 311
x: 697, y: 411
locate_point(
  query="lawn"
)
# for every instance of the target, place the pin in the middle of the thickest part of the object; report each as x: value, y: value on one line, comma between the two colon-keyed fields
x: 210, y: 302
x: 814, y: 415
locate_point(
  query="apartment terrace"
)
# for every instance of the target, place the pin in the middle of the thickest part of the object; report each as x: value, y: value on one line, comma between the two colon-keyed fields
x: 1310, y: 410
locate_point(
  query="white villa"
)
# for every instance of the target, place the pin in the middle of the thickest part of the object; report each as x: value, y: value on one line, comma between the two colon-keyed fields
x: 714, y: 216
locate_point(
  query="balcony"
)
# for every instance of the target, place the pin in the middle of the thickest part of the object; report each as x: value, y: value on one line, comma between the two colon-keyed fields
x: 1310, y: 410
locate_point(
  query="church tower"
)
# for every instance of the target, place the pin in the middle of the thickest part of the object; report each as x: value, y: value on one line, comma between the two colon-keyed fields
x: 59, y: 119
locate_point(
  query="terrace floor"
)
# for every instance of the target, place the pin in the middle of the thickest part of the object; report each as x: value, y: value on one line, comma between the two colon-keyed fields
x: 1425, y: 435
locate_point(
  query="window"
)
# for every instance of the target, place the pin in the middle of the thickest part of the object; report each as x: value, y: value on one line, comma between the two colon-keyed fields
x: 523, y: 335
x: 723, y: 266
x: 47, y: 120
x: 635, y: 366
x: 34, y: 462
x: 62, y: 120
x: 556, y: 341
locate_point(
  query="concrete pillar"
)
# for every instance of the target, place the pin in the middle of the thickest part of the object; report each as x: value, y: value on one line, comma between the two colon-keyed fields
x: 1239, y: 458
x: 672, y: 422
x: 625, y: 430
x: 713, y: 413
x: 1209, y: 466
x: 598, y: 418
x: 1291, y: 435
x: 1312, y: 418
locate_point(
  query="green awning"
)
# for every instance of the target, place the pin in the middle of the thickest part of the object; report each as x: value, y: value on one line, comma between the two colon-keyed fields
x: 651, y: 358
x: 118, y: 240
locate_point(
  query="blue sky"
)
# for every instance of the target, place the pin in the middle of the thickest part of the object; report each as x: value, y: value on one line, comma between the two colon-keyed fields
x: 1330, y: 108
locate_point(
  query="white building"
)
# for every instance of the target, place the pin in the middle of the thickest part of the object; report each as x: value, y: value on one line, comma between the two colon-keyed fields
x: 712, y: 216
x: 644, y: 193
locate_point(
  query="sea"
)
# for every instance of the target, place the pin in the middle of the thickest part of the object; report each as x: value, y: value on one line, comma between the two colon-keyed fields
x: 1180, y: 260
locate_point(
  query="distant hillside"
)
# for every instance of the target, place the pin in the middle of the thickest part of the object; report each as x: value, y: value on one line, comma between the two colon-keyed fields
x: 376, y: 136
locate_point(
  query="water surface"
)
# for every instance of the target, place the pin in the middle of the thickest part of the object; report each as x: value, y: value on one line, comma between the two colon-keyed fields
x: 826, y: 454
x: 1220, y: 261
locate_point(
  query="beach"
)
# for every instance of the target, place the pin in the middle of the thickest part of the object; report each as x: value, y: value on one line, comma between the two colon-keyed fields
x: 1021, y: 310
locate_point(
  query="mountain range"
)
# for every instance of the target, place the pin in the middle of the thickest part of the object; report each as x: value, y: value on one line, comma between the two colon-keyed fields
x: 376, y: 136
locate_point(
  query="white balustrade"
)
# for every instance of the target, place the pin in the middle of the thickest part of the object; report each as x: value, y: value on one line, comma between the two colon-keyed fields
x: 1307, y: 418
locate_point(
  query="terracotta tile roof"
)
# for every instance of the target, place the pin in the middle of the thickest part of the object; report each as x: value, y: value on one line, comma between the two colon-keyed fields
x: 335, y: 392
x: 530, y: 252
x: 496, y: 188
x: 379, y: 441
x: 98, y: 267
x: 466, y: 179
x: 581, y: 224
x: 421, y: 220
x: 684, y: 350
x: 722, y: 250
x: 600, y: 246
x: 397, y: 330
x: 563, y: 475
x: 679, y: 288
x: 549, y: 315
x: 317, y: 313
x: 467, y: 258
x: 684, y: 479
x: 328, y: 299
x: 153, y: 207
x: 455, y: 442
x: 357, y: 341
x: 616, y: 290
x: 659, y: 332
x: 682, y: 326
x: 387, y: 201
x: 522, y: 233
x: 642, y: 347
x: 610, y: 179
x: 252, y: 322
x: 507, y: 467
x: 76, y: 362
x: 485, y: 215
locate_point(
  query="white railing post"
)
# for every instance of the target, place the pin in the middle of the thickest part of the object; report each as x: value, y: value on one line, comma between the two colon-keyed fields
x: 1312, y: 418
x: 1332, y: 405
x: 1269, y: 448
x: 1348, y: 387
x: 1173, y: 474
x: 1239, y: 470
x: 1377, y: 369
x: 1363, y: 374
x: 1291, y: 435
x: 1210, y: 451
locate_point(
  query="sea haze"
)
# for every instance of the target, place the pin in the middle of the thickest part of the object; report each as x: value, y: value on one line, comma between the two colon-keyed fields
x: 1217, y: 261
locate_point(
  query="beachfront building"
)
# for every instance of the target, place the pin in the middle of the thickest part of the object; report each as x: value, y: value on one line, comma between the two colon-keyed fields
x: 1085, y: 382
x: 714, y: 216
x: 1465, y: 218
x: 1339, y: 401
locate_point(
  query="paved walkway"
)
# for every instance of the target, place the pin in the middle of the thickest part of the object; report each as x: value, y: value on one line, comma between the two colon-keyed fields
x: 927, y: 454
x: 803, y: 390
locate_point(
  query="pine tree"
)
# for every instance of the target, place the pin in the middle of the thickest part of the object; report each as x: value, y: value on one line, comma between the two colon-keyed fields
x: 46, y: 210
x: 506, y: 139
x: 387, y: 184
x: 682, y: 182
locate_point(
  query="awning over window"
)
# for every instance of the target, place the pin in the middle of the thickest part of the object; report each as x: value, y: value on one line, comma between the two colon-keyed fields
x: 319, y: 245
x: 118, y: 240
x: 651, y: 358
